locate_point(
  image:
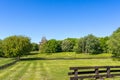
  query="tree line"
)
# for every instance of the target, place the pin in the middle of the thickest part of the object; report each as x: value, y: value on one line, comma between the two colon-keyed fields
x: 16, y: 46
x: 88, y: 44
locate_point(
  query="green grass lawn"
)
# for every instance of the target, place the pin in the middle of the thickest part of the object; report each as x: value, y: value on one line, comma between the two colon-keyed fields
x: 54, y: 69
x: 48, y: 69
x: 5, y: 60
x: 67, y: 55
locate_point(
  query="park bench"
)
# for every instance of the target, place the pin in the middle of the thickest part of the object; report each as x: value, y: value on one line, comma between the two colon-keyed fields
x: 94, y: 72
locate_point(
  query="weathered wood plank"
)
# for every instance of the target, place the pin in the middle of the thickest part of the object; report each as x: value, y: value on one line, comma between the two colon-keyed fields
x: 94, y: 72
x: 92, y: 67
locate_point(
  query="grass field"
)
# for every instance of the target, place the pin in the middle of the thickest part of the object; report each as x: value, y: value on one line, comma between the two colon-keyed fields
x: 67, y: 55
x: 5, y: 60
x: 54, y: 69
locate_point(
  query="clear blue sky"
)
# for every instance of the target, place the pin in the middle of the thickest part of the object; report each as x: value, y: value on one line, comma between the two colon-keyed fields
x: 58, y: 19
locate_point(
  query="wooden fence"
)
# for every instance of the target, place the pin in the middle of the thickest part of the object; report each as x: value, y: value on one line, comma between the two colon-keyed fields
x: 95, y: 72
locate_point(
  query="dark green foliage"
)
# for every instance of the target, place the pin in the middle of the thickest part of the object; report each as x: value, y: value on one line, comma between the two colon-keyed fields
x: 35, y: 47
x: 16, y: 46
x: 80, y: 46
x: 51, y: 46
x: 88, y: 44
x: 114, y: 43
x: 68, y: 44
x: 1, y: 51
x: 103, y: 44
x: 59, y: 49
x: 92, y: 44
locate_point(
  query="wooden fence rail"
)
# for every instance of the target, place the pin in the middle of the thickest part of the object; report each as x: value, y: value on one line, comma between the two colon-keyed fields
x: 95, y: 72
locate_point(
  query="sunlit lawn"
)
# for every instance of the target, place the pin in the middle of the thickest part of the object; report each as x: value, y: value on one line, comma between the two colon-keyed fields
x: 54, y: 69
x: 5, y: 60
x: 68, y: 55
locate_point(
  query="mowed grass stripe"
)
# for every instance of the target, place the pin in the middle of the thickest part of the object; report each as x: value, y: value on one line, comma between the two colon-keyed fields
x: 5, y: 72
x: 29, y: 74
x: 21, y: 72
x: 48, y: 71
x: 38, y: 72
x: 11, y: 75
x: 43, y: 73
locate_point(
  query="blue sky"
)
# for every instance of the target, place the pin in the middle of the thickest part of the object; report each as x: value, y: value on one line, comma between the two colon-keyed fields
x: 58, y: 19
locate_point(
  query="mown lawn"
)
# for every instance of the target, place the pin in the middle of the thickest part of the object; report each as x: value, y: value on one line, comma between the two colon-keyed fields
x: 5, y: 60
x: 51, y: 69
x: 67, y: 55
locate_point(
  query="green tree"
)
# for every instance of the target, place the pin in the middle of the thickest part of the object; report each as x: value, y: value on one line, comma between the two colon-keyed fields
x: 114, y: 43
x: 103, y: 44
x: 92, y: 44
x: 16, y: 46
x: 1, y: 51
x: 59, y: 49
x: 80, y: 46
x: 51, y: 46
x: 42, y: 45
x: 68, y: 44
x: 35, y: 47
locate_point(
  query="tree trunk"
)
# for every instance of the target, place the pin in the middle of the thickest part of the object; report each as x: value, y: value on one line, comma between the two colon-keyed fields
x: 18, y: 58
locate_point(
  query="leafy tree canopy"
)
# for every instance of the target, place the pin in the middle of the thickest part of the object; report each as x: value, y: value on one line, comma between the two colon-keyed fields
x: 35, y: 47
x: 16, y: 46
x: 92, y: 44
x: 51, y: 46
x: 1, y: 51
x: 68, y: 44
x: 114, y: 43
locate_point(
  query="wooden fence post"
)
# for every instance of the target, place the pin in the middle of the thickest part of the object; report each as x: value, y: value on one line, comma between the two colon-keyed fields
x: 97, y: 72
x: 76, y: 74
x: 108, y: 72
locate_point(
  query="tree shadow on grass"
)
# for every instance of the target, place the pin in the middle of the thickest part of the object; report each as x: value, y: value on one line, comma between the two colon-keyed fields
x: 116, y: 58
x: 40, y: 58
